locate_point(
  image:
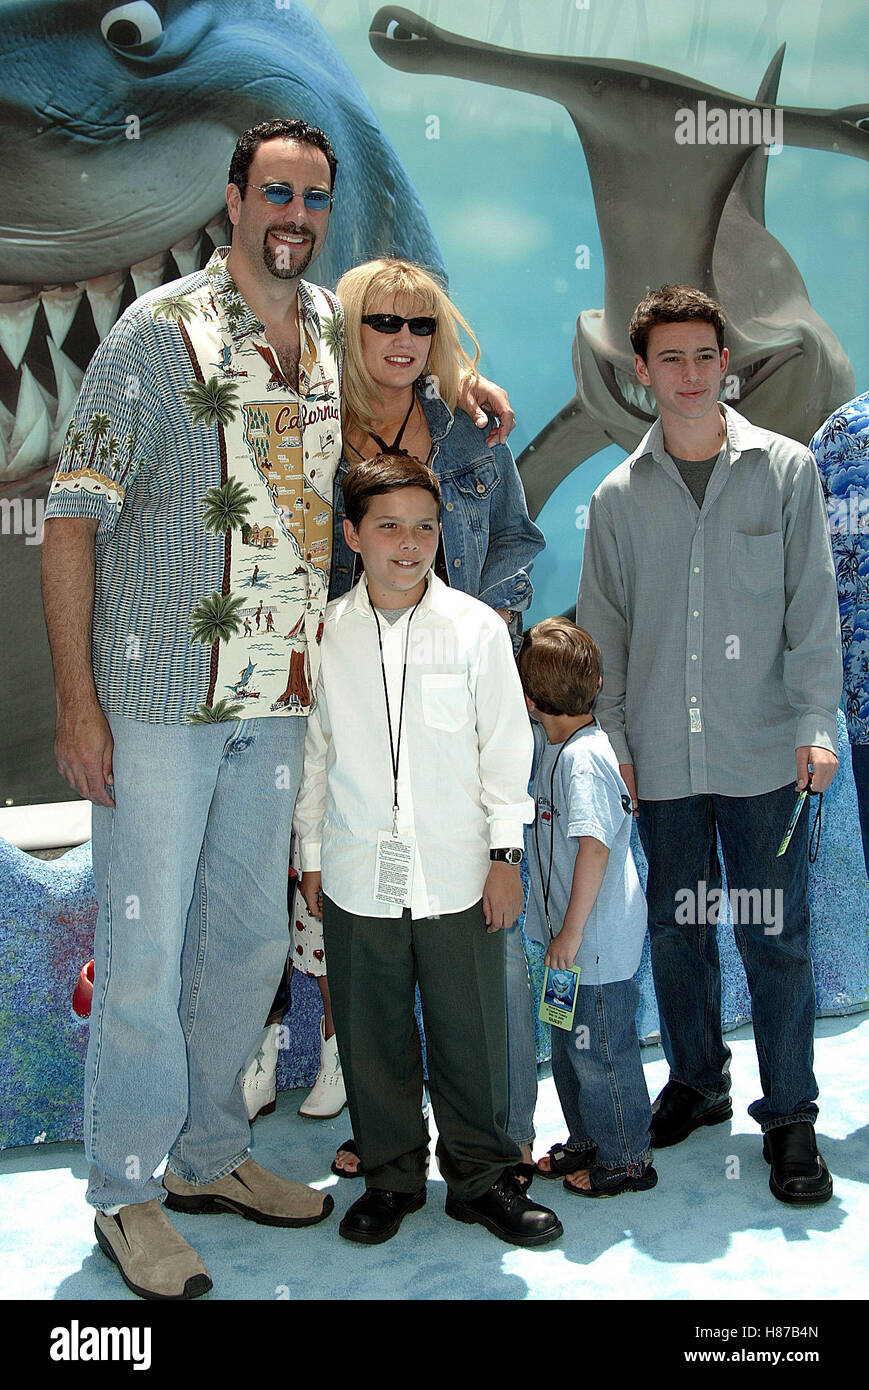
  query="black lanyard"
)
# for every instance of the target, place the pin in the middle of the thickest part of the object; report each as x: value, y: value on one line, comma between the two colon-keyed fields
x: 393, y: 447
x: 546, y: 886
x: 395, y: 745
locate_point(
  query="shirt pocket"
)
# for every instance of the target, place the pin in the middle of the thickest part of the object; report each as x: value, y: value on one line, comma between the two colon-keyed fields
x: 445, y: 702
x: 757, y: 562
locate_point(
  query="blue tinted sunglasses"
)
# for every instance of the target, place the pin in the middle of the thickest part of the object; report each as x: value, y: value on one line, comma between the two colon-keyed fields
x: 317, y: 199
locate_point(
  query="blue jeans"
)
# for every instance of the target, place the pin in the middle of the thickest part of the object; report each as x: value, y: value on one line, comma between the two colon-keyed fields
x: 772, y: 935
x: 521, y: 1043
x: 860, y: 769
x: 598, y: 1075
x: 190, y: 870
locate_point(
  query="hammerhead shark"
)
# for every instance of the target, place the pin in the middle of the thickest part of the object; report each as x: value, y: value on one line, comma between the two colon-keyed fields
x: 668, y: 212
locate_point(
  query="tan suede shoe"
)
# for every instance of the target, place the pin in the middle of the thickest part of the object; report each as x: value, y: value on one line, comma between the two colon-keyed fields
x: 254, y: 1193
x: 155, y: 1261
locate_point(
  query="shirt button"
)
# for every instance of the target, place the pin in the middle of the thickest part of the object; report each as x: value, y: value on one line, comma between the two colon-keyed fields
x: 696, y: 569
x: 693, y: 656
x: 693, y: 699
x: 696, y: 613
x: 457, y: 564
x: 449, y: 506
x: 480, y: 486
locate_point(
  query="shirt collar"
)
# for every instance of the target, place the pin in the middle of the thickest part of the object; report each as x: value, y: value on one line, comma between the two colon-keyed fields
x: 438, y: 415
x: 358, y: 601
x: 233, y: 307
x: 742, y: 437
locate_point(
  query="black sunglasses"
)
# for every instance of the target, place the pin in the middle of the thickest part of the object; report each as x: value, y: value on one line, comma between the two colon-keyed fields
x: 317, y: 199
x: 392, y: 323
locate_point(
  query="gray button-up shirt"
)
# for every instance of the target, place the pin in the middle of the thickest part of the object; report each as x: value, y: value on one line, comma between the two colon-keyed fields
x: 718, y: 626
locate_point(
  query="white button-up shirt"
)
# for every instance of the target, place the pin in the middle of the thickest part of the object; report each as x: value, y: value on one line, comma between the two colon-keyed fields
x: 464, y: 761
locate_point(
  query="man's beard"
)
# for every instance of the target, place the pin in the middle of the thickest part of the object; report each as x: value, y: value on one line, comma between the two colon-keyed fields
x: 280, y: 264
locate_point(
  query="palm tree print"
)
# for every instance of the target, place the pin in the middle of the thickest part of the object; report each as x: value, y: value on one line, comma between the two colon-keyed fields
x: 214, y: 620
x: 175, y: 307
x: 75, y: 445
x: 98, y: 428
x: 215, y: 403
x: 215, y: 714
x: 332, y: 333
x: 225, y: 508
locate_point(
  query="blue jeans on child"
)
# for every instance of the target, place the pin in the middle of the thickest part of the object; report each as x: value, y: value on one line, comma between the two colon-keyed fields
x: 598, y: 1075
x: 679, y: 842
x: 190, y: 871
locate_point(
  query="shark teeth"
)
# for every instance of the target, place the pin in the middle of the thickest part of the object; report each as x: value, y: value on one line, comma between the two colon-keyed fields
x: 147, y: 275
x: 31, y: 433
x: 16, y: 320
x: 635, y: 393
x: 218, y: 229
x: 30, y: 439
x: 68, y: 378
x: 105, y: 293
x: 61, y: 306
x: 186, y: 253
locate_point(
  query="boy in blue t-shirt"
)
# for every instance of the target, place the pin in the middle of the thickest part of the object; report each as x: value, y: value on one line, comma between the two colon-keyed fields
x: 586, y: 906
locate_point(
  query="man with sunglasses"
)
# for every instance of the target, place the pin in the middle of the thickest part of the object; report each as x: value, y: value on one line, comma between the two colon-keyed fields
x: 217, y: 403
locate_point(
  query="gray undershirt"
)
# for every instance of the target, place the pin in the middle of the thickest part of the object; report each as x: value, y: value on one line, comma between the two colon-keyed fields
x: 695, y: 474
x: 391, y: 615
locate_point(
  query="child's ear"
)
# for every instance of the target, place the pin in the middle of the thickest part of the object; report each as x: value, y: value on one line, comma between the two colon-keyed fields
x: 350, y: 535
x: 529, y: 704
x: 599, y: 682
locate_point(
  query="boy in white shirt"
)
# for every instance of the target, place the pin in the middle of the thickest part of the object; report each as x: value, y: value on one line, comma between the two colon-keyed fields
x: 586, y: 906
x: 410, y: 820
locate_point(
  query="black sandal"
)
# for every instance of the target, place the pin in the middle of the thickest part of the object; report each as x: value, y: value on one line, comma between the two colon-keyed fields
x: 564, y: 1160
x: 612, y: 1182
x: 350, y: 1148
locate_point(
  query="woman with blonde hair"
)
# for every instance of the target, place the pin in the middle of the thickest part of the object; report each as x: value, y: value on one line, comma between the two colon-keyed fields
x: 404, y: 365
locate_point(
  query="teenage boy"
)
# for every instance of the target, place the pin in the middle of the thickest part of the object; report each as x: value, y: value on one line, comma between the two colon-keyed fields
x: 586, y: 908
x: 410, y: 817
x: 708, y: 582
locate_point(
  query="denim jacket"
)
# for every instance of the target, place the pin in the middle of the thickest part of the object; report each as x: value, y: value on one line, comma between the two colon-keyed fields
x: 489, y: 538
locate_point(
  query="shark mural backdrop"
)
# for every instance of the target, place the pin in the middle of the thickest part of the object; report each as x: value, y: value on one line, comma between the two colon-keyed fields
x: 555, y: 161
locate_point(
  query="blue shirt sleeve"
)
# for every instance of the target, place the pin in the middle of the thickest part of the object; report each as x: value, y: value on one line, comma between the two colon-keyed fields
x: 594, y: 798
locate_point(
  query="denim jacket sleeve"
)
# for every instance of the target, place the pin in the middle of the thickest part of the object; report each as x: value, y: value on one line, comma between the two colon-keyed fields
x: 343, y: 558
x: 489, y: 539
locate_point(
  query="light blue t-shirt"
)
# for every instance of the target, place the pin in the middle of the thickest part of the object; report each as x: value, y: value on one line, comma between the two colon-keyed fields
x: 588, y: 797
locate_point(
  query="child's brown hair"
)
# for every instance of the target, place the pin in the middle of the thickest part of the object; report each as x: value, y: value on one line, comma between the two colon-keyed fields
x: 560, y: 666
x: 385, y: 473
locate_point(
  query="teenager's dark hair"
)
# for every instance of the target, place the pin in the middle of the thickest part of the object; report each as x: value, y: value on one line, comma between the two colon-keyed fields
x: 674, y: 304
x: 250, y: 141
x: 385, y: 473
x: 559, y: 666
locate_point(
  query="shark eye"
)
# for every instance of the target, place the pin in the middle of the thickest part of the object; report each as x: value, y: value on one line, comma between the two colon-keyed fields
x: 396, y: 30
x: 132, y: 26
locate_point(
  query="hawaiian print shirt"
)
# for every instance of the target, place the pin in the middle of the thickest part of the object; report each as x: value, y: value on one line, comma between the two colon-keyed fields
x: 841, y: 450
x: 211, y: 479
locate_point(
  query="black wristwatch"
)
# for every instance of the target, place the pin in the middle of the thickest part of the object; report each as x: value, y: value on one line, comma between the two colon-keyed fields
x: 506, y: 856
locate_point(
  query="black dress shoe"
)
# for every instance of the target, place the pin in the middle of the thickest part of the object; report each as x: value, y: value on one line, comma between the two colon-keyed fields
x: 798, y: 1174
x: 679, y: 1110
x: 377, y: 1216
x: 507, y: 1213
